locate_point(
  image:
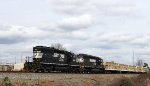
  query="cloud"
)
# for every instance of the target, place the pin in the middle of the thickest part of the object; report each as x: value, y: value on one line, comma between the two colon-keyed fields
x: 70, y: 6
x: 112, y: 45
x: 18, y: 34
x: 141, y: 41
x: 105, y: 41
x: 15, y: 34
x: 78, y: 22
x: 96, y: 7
x: 71, y: 23
x: 11, y: 40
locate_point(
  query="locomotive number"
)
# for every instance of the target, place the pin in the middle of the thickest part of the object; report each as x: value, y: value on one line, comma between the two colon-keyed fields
x: 92, y: 60
x: 60, y: 56
x: 38, y: 55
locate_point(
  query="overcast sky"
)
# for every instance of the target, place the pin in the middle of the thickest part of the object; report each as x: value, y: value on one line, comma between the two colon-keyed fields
x: 110, y: 29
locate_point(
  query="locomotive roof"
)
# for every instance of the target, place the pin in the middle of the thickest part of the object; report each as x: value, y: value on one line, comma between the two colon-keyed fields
x: 52, y: 48
x: 86, y: 55
x: 66, y: 52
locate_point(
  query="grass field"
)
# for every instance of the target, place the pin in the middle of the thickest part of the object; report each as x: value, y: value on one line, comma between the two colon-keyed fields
x: 14, y: 79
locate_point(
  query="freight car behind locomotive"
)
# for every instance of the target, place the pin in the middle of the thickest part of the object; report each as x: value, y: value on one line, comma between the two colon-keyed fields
x: 49, y: 59
x: 112, y: 67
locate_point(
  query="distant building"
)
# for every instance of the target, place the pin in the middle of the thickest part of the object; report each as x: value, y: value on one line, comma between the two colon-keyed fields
x: 18, y: 67
x: 6, y: 67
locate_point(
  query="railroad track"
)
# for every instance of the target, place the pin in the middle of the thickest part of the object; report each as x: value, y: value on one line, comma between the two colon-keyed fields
x: 61, y: 73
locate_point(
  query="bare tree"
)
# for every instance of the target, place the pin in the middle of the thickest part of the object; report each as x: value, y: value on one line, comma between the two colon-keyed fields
x: 145, y: 65
x: 58, y: 46
x: 139, y: 62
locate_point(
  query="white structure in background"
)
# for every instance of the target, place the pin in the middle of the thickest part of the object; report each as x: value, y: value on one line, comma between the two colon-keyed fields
x: 18, y: 67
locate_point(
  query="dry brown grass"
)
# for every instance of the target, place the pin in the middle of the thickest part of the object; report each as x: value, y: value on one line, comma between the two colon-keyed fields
x: 141, y: 80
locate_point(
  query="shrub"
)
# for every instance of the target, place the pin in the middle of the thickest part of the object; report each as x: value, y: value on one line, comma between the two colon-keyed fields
x: 124, y: 81
x: 6, y: 82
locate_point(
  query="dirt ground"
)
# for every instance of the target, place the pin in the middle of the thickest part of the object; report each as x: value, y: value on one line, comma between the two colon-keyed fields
x: 114, y: 80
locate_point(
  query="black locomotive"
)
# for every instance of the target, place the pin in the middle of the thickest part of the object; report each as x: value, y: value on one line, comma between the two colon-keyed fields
x: 49, y: 59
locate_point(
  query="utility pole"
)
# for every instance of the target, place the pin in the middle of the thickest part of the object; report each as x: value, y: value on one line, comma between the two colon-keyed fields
x: 15, y: 60
x: 133, y: 58
x: 21, y: 57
